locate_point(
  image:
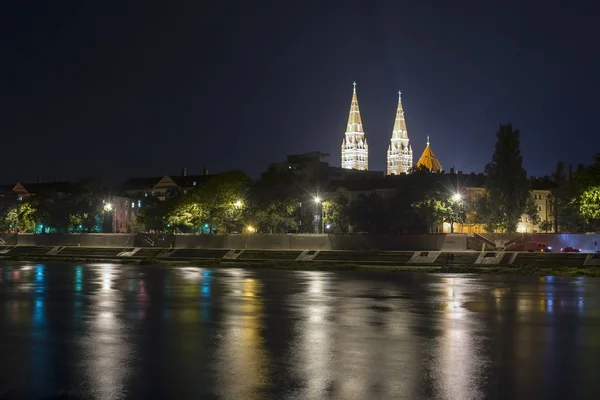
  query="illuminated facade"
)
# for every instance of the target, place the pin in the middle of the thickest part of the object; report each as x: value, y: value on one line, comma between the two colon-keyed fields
x: 543, y: 203
x: 355, y: 150
x: 399, y: 154
x: 429, y: 160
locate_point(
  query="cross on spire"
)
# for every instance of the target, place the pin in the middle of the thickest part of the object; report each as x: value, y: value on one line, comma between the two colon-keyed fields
x: 354, y: 84
x: 399, y: 95
x: 427, y: 140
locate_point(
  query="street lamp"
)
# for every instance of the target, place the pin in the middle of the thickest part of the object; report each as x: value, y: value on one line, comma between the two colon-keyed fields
x: 317, y: 202
x: 238, y: 204
x: 108, y: 207
x: 457, y: 197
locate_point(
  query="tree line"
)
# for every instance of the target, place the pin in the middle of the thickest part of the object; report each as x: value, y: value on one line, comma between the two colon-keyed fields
x: 281, y: 201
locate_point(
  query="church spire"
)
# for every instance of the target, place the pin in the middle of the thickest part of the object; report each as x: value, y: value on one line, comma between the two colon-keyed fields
x: 399, y: 130
x: 399, y: 155
x: 355, y: 150
x: 354, y: 120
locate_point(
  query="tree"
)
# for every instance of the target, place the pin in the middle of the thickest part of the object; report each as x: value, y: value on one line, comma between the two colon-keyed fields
x: 546, y: 226
x: 368, y: 214
x: 491, y: 218
x: 221, y: 197
x: 532, y: 212
x: 453, y: 212
x: 589, y: 207
x: 430, y: 212
x: 586, y: 201
x: 186, y: 212
x: 85, y: 204
x: 153, y: 216
x: 274, y: 200
x: 507, y: 185
x: 337, y: 214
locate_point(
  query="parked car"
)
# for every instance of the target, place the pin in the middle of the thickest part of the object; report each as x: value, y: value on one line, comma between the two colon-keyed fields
x: 571, y: 250
x: 537, y: 246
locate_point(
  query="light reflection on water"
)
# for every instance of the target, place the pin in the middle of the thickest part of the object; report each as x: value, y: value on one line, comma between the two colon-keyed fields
x: 106, y: 344
x: 137, y: 332
x: 242, y: 369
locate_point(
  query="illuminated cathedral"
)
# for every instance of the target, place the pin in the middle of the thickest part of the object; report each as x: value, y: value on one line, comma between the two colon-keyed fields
x: 355, y: 149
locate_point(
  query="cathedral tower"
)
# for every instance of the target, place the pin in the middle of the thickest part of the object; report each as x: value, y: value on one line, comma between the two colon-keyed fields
x: 399, y: 154
x: 355, y: 150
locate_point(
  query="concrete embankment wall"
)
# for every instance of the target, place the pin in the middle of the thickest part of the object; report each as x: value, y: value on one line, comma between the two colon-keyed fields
x: 392, y: 258
x: 87, y: 239
x: 316, y: 242
x: 253, y: 242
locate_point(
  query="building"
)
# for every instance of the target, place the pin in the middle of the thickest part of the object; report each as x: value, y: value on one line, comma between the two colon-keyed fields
x: 24, y: 190
x: 469, y: 189
x: 541, y: 192
x: 138, y: 188
x: 429, y: 160
x: 399, y: 154
x: 355, y: 150
x: 310, y: 168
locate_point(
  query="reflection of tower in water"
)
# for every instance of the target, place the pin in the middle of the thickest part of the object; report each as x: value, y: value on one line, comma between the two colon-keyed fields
x: 313, y: 353
x: 459, y: 371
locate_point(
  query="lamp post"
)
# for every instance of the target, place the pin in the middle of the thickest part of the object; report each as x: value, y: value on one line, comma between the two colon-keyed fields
x: 317, y: 203
x: 108, y: 207
x: 457, y: 199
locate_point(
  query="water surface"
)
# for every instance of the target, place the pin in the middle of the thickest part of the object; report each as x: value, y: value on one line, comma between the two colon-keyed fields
x: 106, y: 331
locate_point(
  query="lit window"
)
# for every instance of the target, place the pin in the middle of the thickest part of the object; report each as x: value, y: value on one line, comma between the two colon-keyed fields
x: 20, y: 198
x: 132, y: 204
x: 139, y: 204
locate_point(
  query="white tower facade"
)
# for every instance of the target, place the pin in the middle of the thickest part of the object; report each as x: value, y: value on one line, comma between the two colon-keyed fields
x: 399, y: 154
x: 355, y: 150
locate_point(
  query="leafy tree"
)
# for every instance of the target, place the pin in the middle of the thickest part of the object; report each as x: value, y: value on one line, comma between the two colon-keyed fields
x: 453, y: 212
x: 153, y: 216
x: 337, y: 214
x: 221, y: 197
x: 273, y: 201
x: 430, y: 212
x: 28, y: 215
x: 507, y: 186
x: 187, y: 212
x: 85, y: 203
x: 589, y: 207
x: 491, y: 218
x: 587, y: 199
x: 546, y: 226
x: 368, y: 214
x: 532, y: 212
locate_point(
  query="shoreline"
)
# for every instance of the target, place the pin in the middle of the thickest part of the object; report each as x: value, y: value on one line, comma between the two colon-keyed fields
x: 333, y: 266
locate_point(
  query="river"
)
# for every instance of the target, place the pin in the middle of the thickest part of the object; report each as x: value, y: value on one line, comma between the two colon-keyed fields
x: 104, y: 331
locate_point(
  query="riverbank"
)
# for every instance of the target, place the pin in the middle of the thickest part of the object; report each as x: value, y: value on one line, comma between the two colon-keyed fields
x: 482, y: 269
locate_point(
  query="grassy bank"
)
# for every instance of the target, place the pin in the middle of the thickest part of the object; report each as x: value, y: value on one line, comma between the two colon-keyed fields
x: 552, y: 270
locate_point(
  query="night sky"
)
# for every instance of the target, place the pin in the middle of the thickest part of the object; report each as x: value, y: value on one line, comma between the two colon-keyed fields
x: 139, y: 88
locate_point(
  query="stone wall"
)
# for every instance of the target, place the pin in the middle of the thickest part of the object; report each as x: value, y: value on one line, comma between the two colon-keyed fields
x: 252, y: 242
x: 84, y: 240
x: 316, y: 242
